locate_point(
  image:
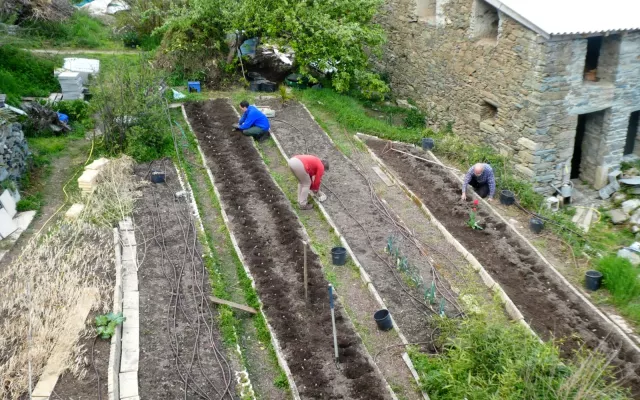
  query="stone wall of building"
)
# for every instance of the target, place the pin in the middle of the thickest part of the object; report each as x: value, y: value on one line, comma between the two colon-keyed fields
x: 564, y: 95
x: 458, y: 72
x: 502, y: 84
x: 14, y: 152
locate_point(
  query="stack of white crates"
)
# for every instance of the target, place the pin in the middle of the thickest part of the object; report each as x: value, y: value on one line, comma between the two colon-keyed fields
x: 71, y: 84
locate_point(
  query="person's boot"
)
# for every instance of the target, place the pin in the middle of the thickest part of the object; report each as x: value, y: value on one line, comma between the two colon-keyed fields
x: 265, y: 136
x: 307, y: 206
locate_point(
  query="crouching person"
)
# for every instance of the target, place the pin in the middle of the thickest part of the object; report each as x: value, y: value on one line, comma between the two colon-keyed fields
x: 308, y: 170
x: 253, y: 122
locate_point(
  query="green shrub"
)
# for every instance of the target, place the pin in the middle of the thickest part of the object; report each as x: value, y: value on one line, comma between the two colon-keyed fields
x: 488, y: 360
x: 28, y: 203
x: 620, y: 277
x: 77, y: 110
x: 147, y: 144
x: 415, y: 119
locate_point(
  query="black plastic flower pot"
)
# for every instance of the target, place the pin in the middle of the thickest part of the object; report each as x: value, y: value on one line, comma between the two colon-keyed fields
x: 338, y: 255
x: 427, y: 143
x: 267, y: 86
x: 157, y: 177
x: 507, y: 197
x: 536, y: 225
x: 383, y: 320
x: 592, y: 280
x: 254, y: 86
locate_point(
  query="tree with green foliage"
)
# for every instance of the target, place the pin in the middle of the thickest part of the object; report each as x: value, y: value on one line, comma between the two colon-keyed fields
x: 336, y: 35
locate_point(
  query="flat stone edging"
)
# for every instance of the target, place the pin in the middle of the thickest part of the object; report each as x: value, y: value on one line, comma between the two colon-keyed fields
x: 242, y: 377
x: 274, y: 341
x: 130, y: 355
x: 113, y: 381
x: 489, y: 282
x: 363, y: 273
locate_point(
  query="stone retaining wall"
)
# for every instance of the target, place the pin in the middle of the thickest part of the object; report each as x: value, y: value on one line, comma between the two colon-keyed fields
x: 14, y: 152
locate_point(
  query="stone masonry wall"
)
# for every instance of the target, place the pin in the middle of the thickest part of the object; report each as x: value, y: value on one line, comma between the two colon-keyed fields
x: 13, y: 152
x: 564, y: 94
x: 458, y: 73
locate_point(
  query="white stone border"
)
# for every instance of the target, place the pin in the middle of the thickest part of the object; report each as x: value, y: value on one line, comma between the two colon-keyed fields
x: 115, y: 351
x: 242, y: 377
x: 279, y: 355
x: 609, y: 321
x: 363, y: 273
x: 130, y: 358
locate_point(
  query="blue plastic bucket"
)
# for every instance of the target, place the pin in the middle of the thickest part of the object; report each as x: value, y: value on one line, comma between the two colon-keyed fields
x: 194, y: 86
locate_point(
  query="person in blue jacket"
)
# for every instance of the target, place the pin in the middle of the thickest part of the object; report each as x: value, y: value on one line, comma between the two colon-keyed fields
x: 253, y: 122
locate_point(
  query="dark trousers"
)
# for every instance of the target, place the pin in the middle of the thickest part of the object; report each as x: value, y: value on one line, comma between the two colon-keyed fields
x: 254, y: 131
x: 482, y: 189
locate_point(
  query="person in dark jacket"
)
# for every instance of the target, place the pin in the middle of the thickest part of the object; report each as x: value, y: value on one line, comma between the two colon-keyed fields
x: 481, y: 178
x: 253, y: 122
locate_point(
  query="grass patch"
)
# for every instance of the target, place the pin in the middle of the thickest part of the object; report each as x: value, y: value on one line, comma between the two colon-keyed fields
x: 483, y: 359
x: 620, y: 278
x: 25, y: 74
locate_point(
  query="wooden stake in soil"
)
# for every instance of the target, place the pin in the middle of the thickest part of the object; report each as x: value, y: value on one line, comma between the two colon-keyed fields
x: 306, y: 289
x: 333, y: 322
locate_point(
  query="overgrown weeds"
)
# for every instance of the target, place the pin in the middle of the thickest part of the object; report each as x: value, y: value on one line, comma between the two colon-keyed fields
x: 24, y: 74
x: 483, y: 359
x: 620, y: 278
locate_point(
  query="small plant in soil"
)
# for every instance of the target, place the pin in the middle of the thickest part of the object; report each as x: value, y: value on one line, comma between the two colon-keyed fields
x: 106, y: 324
x: 473, y: 222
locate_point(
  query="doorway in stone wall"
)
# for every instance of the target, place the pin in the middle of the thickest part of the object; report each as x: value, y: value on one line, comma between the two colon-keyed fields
x: 586, y: 149
x: 577, y: 147
x: 632, y: 144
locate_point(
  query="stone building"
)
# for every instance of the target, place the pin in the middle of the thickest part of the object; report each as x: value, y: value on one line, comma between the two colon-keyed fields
x: 554, y: 84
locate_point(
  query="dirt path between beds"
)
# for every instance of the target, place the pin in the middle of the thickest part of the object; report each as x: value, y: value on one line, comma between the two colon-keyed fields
x: 552, y: 309
x: 267, y: 231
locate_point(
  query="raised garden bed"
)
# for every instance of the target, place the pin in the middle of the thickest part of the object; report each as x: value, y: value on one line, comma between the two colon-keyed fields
x: 551, y: 308
x: 180, y: 346
x: 269, y: 237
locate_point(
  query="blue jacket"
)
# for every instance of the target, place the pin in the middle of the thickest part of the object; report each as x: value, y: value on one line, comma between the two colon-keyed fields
x: 253, y: 117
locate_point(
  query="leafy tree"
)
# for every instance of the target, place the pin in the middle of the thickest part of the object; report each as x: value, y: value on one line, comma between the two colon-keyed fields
x: 334, y: 35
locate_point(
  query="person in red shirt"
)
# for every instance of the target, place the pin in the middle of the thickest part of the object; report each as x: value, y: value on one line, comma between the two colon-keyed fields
x: 309, y: 170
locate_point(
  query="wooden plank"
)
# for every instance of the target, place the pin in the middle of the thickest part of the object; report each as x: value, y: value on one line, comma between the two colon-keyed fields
x: 579, y: 213
x: 234, y: 305
x: 382, y: 176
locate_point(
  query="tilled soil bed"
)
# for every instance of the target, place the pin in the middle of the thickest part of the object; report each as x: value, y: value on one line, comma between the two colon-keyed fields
x: 181, y: 355
x: 270, y: 237
x: 551, y: 308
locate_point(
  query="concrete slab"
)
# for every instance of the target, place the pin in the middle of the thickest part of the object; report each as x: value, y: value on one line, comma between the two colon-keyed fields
x: 8, y: 203
x: 22, y: 220
x: 128, y: 384
x: 7, y: 226
x: 382, y: 176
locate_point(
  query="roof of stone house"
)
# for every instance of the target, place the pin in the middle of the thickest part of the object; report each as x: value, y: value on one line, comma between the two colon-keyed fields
x: 572, y: 17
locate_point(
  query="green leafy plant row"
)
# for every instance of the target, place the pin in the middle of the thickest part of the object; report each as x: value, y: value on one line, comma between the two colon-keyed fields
x: 106, y: 324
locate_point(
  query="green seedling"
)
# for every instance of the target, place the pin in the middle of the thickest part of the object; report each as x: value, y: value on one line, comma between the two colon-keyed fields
x: 106, y: 324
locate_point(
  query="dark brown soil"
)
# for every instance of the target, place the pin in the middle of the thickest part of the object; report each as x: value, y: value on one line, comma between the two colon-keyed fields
x: 366, y: 229
x: 552, y: 309
x: 180, y: 348
x: 69, y: 387
x: 269, y: 235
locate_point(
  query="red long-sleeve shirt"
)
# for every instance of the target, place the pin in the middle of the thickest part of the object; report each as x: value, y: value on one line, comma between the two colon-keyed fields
x: 314, y: 167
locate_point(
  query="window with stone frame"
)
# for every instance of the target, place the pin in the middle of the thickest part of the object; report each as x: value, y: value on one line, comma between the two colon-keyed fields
x: 601, y: 61
x: 426, y: 10
x: 485, y: 22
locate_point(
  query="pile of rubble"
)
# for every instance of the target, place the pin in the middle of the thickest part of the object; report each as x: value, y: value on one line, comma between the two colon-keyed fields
x: 14, y: 151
